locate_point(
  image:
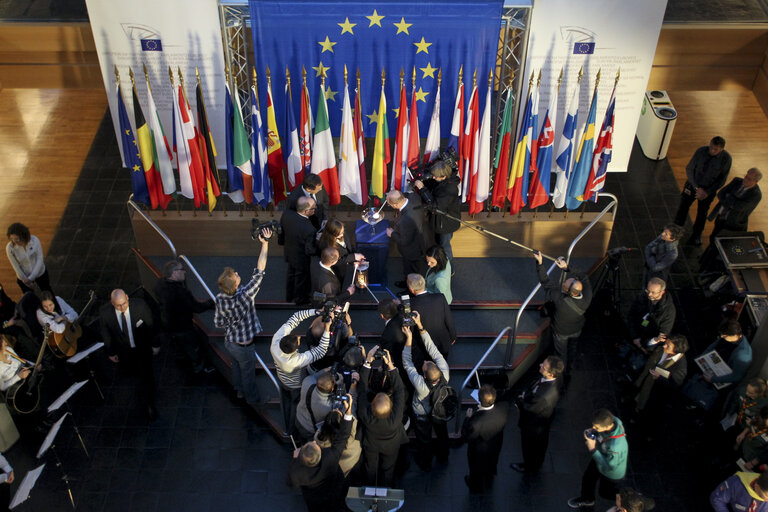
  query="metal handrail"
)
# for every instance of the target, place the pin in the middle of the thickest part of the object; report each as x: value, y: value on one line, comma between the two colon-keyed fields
x: 154, y: 226
x: 613, y: 204
x: 197, y: 276
x: 477, y: 367
x: 510, y: 346
x: 210, y: 294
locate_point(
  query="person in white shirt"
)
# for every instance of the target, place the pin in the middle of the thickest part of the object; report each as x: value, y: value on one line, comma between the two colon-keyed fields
x: 56, y: 318
x: 26, y: 257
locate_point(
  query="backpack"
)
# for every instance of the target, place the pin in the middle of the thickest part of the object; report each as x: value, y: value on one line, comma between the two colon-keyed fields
x: 444, y: 401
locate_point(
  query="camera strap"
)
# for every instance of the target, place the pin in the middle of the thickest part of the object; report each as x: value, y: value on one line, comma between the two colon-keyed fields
x: 309, y: 404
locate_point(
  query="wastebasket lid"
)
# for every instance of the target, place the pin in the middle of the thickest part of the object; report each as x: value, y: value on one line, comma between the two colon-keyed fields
x: 666, y: 113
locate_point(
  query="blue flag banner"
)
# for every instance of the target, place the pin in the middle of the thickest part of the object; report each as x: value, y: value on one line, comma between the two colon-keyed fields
x: 583, y: 48
x: 151, y: 45
x: 131, y: 153
x: 325, y: 35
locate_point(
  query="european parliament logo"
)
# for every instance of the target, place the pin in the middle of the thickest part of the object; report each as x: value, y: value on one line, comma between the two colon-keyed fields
x: 151, y: 45
x: 583, y: 48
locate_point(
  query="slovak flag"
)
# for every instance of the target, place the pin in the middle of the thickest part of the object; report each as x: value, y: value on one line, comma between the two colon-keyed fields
x: 602, y: 155
x: 538, y: 194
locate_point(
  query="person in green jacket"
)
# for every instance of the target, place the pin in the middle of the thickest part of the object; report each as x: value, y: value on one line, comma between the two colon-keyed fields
x: 607, y: 443
x: 439, y: 271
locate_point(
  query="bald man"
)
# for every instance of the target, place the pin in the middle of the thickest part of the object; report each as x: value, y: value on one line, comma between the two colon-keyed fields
x: 407, y: 232
x: 570, y: 301
x: 128, y: 332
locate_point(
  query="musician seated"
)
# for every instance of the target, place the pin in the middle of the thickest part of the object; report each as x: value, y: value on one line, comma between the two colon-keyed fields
x: 55, y: 313
x: 12, y: 367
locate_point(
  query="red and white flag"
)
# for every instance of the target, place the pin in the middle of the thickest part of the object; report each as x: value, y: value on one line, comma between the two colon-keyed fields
x: 481, y: 162
x: 360, y: 140
x: 400, y: 160
x: 468, y: 145
x: 414, y: 142
x: 188, y: 152
x: 432, y: 146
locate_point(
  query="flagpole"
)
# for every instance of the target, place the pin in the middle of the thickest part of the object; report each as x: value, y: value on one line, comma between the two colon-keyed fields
x: 173, y: 88
x: 184, y: 95
x: 149, y: 88
x: 255, y: 80
x: 489, y: 198
x: 559, y: 82
x: 133, y: 89
x: 535, y: 130
x: 597, y: 82
x: 288, y: 83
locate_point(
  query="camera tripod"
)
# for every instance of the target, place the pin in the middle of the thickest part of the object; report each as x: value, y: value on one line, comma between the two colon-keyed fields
x: 610, y: 276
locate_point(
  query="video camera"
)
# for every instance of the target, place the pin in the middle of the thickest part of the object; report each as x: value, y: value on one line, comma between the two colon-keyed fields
x: 405, y: 312
x: 257, y: 228
x: 424, y: 171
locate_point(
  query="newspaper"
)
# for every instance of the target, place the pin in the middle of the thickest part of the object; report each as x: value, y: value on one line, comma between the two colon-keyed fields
x: 712, y: 364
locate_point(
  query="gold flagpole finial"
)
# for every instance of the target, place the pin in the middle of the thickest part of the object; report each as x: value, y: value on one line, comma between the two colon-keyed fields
x: 345, y: 75
x: 597, y: 78
x: 170, y: 74
x: 254, y: 77
x: 383, y: 76
x: 538, y: 80
x: 146, y: 77
x: 226, y: 74
x: 413, y: 78
x: 581, y: 73
x: 439, y: 76
x: 133, y: 80
x: 117, y: 75
x: 269, y: 77
x: 490, y: 78
x: 357, y: 76
x: 181, y: 77
x: 197, y: 74
x: 474, y: 78
x: 303, y: 76
x: 402, y: 76
x: 288, y: 83
x: 322, y: 77
x: 461, y: 73
x: 530, y: 81
x: 618, y: 74
x: 255, y: 80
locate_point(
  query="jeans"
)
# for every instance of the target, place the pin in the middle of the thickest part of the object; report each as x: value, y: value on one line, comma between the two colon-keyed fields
x: 244, y: 371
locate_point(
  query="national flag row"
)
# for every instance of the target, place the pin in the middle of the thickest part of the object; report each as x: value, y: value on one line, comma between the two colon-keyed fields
x: 259, y: 171
x: 579, y: 174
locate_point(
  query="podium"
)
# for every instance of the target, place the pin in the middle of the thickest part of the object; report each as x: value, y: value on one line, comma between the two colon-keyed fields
x: 373, y: 243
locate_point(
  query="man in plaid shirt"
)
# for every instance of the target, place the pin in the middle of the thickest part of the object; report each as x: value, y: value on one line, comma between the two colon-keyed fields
x: 236, y: 313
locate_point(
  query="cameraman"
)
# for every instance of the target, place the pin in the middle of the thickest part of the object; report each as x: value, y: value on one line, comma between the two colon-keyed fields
x: 444, y: 187
x: 236, y: 312
x: 290, y: 364
x: 319, y: 394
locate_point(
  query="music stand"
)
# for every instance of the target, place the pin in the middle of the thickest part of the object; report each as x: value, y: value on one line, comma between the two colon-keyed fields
x: 84, y: 354
x: 64, y: 400
x: 375, y: 499
x: 24, y: 490
x: 48, y: 443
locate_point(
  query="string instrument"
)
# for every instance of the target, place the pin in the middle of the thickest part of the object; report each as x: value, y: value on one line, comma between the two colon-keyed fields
x: 64, y: 344
x: 24, y: 396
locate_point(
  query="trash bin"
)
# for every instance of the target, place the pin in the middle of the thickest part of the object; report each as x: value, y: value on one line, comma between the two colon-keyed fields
x: 657, y: 121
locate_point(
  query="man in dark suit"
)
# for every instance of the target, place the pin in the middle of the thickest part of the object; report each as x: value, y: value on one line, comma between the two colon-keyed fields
x: 736, y: 201
x: 316, y: 470
x: 299, y: 241
x: 436, y: 316
x: 383, y: 421
x: 128, y: 332
x: 483, y: 430
x: 407, y: 232
x: 311, y: 187
x: 537, y: 406
x: 325, y: 280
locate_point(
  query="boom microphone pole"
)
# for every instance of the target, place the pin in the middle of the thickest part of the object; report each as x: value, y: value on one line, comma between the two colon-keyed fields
x: 484, y: 231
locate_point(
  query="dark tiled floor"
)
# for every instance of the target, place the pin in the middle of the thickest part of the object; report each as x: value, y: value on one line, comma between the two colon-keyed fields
x: 206, y: 452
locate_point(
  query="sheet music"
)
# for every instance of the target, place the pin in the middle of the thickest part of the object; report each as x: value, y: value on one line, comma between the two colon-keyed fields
x: 22, y: 493
x: 66, y: 395
x: 85, y: 353
x: 48, y: 441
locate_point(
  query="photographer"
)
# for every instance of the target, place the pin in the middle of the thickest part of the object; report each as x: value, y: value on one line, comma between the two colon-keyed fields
x: 317, y: 471
x: 320, y: 394
x: 290, y: 364
x: 236, y: 312
x: 434, y: 374
x: 342, y: 336
x: 383, y: 421
x: 444, y: 188
x: 607, y: 443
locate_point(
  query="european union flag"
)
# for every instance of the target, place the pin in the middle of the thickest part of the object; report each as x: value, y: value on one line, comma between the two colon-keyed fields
x: 583, y: 48
x: 151, y: 45
x: 324, y: 35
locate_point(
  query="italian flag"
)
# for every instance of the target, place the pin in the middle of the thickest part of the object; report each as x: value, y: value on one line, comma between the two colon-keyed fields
x: 323, y: 155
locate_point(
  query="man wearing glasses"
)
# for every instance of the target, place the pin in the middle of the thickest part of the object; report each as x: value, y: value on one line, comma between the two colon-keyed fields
x: 651, y: 315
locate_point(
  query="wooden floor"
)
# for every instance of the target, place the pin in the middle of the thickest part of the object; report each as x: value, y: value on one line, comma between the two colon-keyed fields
x: 735, y: 116
x: 46, y: 135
